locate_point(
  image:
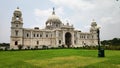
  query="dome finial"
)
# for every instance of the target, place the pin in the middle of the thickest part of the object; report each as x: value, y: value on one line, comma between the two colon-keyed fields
x: 17, y: 7
x: 53, y: 11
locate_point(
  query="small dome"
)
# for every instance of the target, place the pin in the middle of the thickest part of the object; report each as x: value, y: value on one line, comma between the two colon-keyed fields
x: 93, y: 23
x: 17, y: 12
x: 17, y: 9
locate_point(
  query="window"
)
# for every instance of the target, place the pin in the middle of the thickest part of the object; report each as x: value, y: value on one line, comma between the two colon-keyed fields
x: 59, y: 41
x: 46, y: 35
x: 27, y: 35
x: 16, y: 32
x: 16, y: 42
x: 88, y: 37
x: 37, y: 42
x: 92, y: 36
x: 33, y: 35
x: 40, y: 35
x: 56, y: 25
x: 84, y: 36
x: 37, y: 35
x: 17, y: 16
x: 16, y: 25
x: 75, y: 41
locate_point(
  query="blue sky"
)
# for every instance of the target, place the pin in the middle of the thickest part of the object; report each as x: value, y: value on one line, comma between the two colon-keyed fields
x: 77, y: 12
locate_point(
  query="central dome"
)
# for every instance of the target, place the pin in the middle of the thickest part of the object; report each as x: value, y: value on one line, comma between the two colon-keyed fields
x: 53, y: 18
x: 53, y: 21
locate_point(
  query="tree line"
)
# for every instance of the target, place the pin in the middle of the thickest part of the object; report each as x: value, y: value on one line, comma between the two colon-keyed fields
x: 5, y: 44
x: 112, y: 42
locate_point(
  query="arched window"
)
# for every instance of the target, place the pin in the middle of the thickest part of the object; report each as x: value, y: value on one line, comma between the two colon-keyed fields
x: 16, y: 42
x: 37, y: 42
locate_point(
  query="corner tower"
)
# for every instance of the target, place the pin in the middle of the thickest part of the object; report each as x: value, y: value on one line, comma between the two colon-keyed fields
x: 93, y: 31
x: 16, y: 29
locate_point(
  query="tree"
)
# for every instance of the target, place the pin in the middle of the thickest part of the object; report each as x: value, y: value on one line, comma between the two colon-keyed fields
x: 113, y: 42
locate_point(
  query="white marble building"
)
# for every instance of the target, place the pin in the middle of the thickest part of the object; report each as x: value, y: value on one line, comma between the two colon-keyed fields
x: 55, y: 34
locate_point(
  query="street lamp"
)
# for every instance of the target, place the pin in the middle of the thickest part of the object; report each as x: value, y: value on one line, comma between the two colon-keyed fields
x: 98, y: 35
x: 100, y: 50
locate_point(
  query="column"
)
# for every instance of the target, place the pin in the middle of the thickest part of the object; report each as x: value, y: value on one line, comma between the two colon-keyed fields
x: 72, y: 38
x: 56, y: 38
x: 63, y: 41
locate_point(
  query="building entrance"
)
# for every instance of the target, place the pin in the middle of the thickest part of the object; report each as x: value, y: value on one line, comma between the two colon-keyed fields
x: 68, y: 39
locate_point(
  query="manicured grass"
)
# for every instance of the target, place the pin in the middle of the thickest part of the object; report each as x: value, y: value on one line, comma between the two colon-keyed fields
x: 59, y: 58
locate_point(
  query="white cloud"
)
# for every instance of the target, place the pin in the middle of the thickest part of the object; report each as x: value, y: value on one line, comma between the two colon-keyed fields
x: 76, y: 4
x: 105, y: 12
x: 106, y: 20
x: 41, y: 13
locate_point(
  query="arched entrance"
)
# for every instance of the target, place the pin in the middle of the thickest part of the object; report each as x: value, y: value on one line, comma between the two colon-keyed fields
x: 68, y: 39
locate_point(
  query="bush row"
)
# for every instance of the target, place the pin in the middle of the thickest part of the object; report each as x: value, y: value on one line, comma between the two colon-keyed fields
x: 59, y: 47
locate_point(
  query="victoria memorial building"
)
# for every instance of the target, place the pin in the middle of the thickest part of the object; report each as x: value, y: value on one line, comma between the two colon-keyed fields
x: 54, y: 34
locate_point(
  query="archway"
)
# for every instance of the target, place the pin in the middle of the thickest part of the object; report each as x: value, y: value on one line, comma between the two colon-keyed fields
x: 68, y: 39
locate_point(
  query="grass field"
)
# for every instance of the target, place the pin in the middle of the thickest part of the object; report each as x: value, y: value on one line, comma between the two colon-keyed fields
x: 59, y: 58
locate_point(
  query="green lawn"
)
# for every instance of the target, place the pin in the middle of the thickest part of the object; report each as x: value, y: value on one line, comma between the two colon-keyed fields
x: 59, y: 58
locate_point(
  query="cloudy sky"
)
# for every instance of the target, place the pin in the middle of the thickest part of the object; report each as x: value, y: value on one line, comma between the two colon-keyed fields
x: 80, y: 13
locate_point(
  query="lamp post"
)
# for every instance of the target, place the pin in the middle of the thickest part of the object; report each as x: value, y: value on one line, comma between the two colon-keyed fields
x: 98, y: 35
x: 100, y: 50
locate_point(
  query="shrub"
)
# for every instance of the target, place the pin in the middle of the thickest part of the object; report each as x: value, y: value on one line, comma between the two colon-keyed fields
x: 32, y: 49
x: 6, y: 48
x: 1, y: 49
x: 44, y: 47
x: 36, y: 48
x: 20, y: 47
x: 12, y: 49
x: 28, y: 47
